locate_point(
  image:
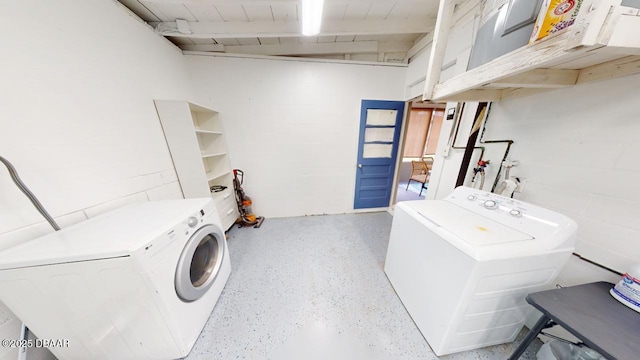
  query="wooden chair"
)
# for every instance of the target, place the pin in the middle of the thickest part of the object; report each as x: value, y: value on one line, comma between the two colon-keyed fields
x: 420, y: 171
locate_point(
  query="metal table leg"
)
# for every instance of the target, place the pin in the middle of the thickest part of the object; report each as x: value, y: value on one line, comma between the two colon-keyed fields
x: 541, y: 324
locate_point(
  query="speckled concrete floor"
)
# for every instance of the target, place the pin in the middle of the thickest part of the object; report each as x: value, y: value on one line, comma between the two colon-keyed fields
x: 314, y: 288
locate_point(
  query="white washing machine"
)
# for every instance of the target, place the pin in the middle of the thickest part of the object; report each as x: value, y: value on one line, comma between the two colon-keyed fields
x: 136, y: 283
x: 462, y: 266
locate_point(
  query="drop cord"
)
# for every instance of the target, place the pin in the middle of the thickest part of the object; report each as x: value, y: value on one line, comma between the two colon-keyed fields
x: 16, y: 179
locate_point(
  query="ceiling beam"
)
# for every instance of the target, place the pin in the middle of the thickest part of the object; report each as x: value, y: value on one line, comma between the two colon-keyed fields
x: 202, y: 47
x: 395, y: 46
x: 269, y: 2
x: 459, y: 12
x: 420, y: 44
x: 438, y: 46
x: 357, y: 47
x: 243, y: 29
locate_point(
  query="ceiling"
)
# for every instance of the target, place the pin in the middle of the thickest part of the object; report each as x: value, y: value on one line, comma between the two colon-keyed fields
x: 355, y: 30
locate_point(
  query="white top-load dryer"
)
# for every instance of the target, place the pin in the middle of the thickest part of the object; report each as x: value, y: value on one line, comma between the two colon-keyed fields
x: 138, y: 282
x: 462, y: 266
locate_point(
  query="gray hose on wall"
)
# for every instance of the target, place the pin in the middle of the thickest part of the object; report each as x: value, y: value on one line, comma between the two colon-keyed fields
x: 16, y: 179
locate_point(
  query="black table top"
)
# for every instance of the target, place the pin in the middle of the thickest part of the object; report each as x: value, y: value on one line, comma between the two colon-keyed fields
x: 591, y: 314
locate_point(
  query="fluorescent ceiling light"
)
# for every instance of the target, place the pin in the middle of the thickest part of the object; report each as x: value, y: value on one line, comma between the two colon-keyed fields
x: 311, y: 17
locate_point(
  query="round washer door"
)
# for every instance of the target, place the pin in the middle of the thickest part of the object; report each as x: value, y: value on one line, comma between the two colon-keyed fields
x: 199, y: 263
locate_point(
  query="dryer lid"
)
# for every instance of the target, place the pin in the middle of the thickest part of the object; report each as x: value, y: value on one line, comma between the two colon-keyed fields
x: 117, y: 233
x: 474, y: 229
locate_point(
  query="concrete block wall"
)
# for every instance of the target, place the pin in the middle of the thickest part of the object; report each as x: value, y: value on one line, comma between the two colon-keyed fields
x: 77, y: 117
x: 79, y: 124
x: 293, y: 126
x: 577, y: 148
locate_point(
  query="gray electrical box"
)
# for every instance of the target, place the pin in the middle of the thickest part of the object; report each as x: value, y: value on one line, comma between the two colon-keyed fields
x: 505, y: 30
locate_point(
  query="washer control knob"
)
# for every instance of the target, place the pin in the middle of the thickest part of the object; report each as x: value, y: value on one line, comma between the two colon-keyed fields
x: 490, y: 204
x: 515, y: 212
x: 471, y: 197
x: 192, y: 221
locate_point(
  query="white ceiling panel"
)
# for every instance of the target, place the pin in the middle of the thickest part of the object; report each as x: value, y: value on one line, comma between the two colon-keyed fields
x: 231, y: 12
x: 258, y: 12
x: 284, y: 11
x: 204, y: 12
x: 156, y: 11
x: 334, y: 11
x: 401, y: 10
x: 380, y: 10
x: 422, y: 12
x: 357, y: 11
x: 140, y: 10
x: 376, y: 30
x: 169, y: 12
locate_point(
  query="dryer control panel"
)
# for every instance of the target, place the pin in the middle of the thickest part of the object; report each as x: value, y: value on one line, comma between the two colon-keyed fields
x: 182, y: 230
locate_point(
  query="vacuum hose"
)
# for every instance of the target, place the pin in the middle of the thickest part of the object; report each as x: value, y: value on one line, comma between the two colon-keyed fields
x: 16, y: 179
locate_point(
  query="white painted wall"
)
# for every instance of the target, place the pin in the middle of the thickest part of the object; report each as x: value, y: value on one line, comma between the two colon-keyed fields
x: 444, y: 173
x: 416, y: 72
x: 456, y: 56
x: 577, y: 149
x: 292, y: 126
x: 77, y: 116
x: 460, y: 41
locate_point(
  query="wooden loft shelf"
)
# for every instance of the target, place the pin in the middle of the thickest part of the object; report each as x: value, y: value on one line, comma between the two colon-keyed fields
x: 602, y: 44
x: 537, y: 68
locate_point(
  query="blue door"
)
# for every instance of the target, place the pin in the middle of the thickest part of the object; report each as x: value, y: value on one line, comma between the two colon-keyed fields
x: 377, y: 150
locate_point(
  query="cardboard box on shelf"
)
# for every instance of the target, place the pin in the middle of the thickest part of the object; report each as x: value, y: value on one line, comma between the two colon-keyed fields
x: 554, y: 16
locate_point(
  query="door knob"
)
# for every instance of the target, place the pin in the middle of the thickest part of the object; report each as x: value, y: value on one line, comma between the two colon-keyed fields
x: 360, y: 166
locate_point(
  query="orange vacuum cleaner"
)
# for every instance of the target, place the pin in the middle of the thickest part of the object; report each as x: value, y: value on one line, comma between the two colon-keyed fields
x: 247, y: 217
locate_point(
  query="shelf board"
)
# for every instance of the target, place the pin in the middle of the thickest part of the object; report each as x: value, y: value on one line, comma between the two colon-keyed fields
x: 213, y: 155
x: 222, y: 195
x: 216, y: 175
x: 599, y: 50
x: 198, y: 131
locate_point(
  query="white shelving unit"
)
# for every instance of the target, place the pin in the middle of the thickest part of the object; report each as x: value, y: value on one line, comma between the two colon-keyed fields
x: 601, y: 44
x: 199, y: 153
